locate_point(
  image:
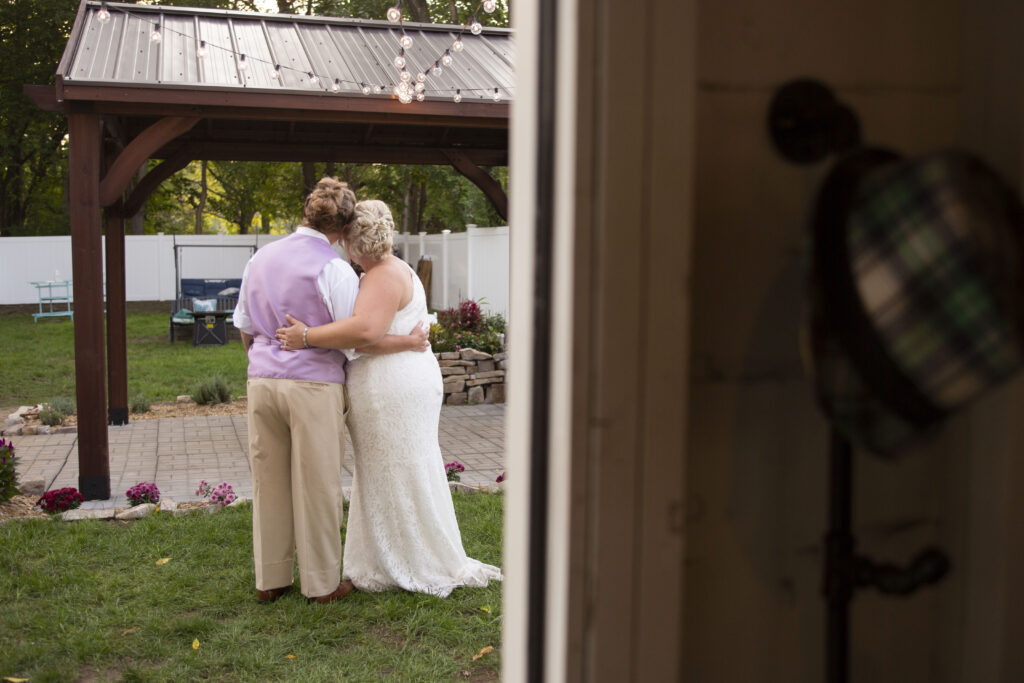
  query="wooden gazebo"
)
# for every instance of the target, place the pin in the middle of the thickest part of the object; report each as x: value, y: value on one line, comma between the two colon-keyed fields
x: 178, y: 84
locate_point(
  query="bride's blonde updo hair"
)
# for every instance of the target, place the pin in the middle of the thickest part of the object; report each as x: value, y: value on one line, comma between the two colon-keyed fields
x: 329, y: 206
x: 370, y: 232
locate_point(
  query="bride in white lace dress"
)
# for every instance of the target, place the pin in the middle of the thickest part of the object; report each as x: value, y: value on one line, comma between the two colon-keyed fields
x: 402, y: 531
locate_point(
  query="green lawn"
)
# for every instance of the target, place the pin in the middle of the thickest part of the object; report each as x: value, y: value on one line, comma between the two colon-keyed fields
x: 87, y: 601
x: 37, y: 360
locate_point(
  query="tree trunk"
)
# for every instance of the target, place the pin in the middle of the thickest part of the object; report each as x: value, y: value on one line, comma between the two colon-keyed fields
x: 308, y: 177
x: 245, y: 220
x: 408, y: 211
x: 202, y: 199
x: 419, y: 11
x: 421, y: 206
x: 453, y: 12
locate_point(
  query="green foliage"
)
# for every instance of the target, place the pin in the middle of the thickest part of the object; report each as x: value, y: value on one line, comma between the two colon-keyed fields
x: 87, y: 597
x: 211, y: 390
x: 33, y: 154
x: 139, y: 403
x: 56, y: 410
x: 8, y: 471
x: 467, y: 326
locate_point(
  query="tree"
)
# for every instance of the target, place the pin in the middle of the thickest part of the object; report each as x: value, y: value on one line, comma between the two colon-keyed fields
x: 33, y: 154
x: 246, y: 188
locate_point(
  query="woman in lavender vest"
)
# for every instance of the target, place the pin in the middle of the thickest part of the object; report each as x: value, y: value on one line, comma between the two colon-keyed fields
x: 297, y: 402
x: 402, y: 531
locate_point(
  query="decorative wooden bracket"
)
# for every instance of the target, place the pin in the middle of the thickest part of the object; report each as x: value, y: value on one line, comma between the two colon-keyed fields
x: 138, y: 150
x: 140, y: 193
x: 482, y: 179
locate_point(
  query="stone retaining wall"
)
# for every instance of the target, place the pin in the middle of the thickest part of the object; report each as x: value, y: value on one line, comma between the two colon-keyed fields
x: 472, y: 376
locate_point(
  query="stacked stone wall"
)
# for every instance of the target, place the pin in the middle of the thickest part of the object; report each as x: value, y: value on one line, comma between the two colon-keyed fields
x: 472, y: 376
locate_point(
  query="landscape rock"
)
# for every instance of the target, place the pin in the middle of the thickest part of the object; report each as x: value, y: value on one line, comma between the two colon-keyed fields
x: 450, y: 355
x: 475, y: 395
x: 65, y: 430
x: 500, y: 356
x: 241, y: 500
x: 453, y: 371
x: 495, y: 393
x: 32, y: 487
x: 28, y: 430
x: 456, y: 363
x: 184, y: 399
x: 473, y: 354
x: 168, y: 505
x: 25, y: 411
x: 492, y: 373
x: 503, y: 364
x: 88, y: 513
x: 137, y: 512
x: 454, y: 387
x: 457, y: 399
x: 13, y: 419
x: 485, y: 366
x: 485, y: 380
x: 12, y: 431
x: 43, y: 429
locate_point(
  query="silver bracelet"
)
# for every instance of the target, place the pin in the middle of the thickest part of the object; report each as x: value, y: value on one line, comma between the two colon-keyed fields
x: 305, y: 344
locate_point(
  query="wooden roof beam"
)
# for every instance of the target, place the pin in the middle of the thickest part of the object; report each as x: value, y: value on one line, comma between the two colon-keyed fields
x: 482, y: 179
x: 140, y: 149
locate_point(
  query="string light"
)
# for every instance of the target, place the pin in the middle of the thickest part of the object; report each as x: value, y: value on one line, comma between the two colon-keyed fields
x: 155, y: 35
x: 406, y: 41
x: 437, y: 70
x: 419, y: 87
x: 201, y: 50
x: 405, y: 98
x: 496, y: 96
x: 420, y: 96
x: 400, y: 59
x: 420, y: 77
x: 242, y: 64
x: 366, y: 88
x: 313, y: 78
x: 395, y: 13
x: 276, y: 73
x: 458, y: 95
x: 457, y: 45
x: 490, y: 6
x: 446, y: 58
x: 103, y: 16
x: 475, y: 27
x: 404, y: 75
x: 336, y: 86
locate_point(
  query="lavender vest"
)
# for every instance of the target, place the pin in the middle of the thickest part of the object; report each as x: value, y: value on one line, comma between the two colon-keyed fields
x: 282, y: 279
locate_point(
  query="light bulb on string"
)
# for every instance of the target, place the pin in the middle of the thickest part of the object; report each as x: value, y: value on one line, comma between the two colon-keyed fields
x: 400, y: 59
x: 155, y: 35
x: 490, y: 6
x: 419, y: 87
x: 475, y: 27
x: 366, y: 88
x: 395, y: 13
x: 242, y: 64
x: 201, y: 50
x: 313, y: 78
x: 457, y: 97
x: 396, y: 91
x: 276, y: 73
x: 403, y: 88
x: 420, y: 96
x: 404, y: 75
x: 496, y: 96
x: 457, y: 45
x: 446, y: 58
x: 437, y: 70
x: 336, y: 86
x: 405, y: 41
x: 103, y: 15
x: 420, y: 77
x: 405, y: 98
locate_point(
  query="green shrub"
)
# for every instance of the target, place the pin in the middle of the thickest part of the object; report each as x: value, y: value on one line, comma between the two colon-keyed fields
x: 211, y: 390
x: 8, y: 472
x: 55, y: 410
x: 467, y: 326
x: 140, y: 403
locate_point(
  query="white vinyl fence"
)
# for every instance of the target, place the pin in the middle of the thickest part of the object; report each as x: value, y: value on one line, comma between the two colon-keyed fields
x: 466, y: 265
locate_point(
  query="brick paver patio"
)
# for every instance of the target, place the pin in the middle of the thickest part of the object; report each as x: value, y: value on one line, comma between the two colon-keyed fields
x: 177, y: 453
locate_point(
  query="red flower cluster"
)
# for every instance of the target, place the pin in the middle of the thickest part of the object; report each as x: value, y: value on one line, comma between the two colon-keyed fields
x: 466, y: 317
x: 60, y: 500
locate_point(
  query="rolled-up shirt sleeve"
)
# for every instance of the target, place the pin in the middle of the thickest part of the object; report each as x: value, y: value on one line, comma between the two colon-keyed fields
x: 240, y: 315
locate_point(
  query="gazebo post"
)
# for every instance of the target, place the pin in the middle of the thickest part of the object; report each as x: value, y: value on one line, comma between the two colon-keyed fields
x: 86, y: 260
x: 117, y: 347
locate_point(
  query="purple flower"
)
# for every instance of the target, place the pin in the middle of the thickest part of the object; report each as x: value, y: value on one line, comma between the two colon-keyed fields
x: 223, y: 494
x: 453, y: 469
x: 501, y: 478
x: 144, y: 492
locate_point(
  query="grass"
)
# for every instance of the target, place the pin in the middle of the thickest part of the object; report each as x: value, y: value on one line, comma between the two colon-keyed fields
x: 37, y: 360
x: 86, y: 601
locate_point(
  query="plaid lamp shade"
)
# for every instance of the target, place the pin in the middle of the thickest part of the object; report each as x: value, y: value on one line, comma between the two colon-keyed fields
x: 915, y: 292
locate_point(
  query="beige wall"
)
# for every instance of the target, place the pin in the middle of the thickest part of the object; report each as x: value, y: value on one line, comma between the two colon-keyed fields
x: 756, y: 509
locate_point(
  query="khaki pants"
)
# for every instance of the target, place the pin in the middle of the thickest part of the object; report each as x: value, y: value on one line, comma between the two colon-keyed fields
x: 296, y: 448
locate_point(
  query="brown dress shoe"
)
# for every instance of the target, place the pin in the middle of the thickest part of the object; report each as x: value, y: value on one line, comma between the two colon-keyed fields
x: 343, y: 589
x: 263, y: 597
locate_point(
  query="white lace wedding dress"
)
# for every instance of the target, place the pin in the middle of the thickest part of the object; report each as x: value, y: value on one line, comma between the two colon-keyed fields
x: 402, y: 531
